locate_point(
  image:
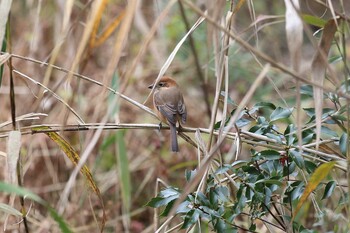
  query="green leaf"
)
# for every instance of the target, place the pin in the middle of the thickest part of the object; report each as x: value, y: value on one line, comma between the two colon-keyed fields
x: 123, y: 171
x: 307, y: 136
x: 229, y: 100
x: 280, y: 113
x: 164, y: 198
x: 297, y: 158
x: 239, y: 162
x: 221, y: 227
x: 191, y: 218
x: 307, y: 90
x: 222, y: 193
x: 297, y: 191
x: 167, y: 208
x: 242, y: 122
x: 289, y: 135
x: 213, y: 199
x: 4, y: 47
x: 268, y: 194
x: 270, y: 154
x: 270, y: 181
x: 314, y: 20
x: 182, y: 208
x: 287, y: 170
x: 329, y: 189
x: 264, y: 105
x: 156, y: 202
x: 189, y: 174
x: 160, y: 201
x: 343, y: 143
x: 325, y: 112
x: 252, y: 227
x: 310, y: 166
x: 9, y: 188
x: 169, y: 192
x: 335, y: 59
x: 328, y: 131
x: 113, y: 104
x: 339, y: 117
x: 222, y: 170
x: 202, y: 199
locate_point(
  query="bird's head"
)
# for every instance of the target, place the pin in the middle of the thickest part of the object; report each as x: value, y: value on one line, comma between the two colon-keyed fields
x: 164, y: 82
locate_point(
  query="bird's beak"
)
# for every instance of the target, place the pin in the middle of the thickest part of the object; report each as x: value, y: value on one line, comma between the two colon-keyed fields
x: 151, y: 86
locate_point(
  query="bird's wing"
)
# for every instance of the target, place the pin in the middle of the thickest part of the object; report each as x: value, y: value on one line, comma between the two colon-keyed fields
x: 181, y: 108
x: 168, y: 110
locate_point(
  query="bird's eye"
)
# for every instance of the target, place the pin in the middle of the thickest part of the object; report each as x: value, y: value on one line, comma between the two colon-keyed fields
x: 161, y: 84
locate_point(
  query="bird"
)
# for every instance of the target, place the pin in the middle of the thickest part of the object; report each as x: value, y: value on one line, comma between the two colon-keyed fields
x: 169, y: 105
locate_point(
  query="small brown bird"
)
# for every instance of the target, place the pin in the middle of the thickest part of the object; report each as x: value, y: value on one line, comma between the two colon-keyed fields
x: 170, y: 106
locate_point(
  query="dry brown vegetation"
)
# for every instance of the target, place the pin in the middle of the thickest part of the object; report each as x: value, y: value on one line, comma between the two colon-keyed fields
x: 81, y: 69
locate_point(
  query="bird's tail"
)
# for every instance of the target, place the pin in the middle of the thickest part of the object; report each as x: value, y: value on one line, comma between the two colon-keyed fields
x: 174, y: 144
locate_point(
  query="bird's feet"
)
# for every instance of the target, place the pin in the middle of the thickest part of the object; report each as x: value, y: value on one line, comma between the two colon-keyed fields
x: 179, y: 129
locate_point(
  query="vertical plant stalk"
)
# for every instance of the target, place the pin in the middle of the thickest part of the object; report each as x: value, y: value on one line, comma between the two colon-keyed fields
x: 318, y: 71
x: 13, y: 118
x: 221, y: 75
x: 204, y: 85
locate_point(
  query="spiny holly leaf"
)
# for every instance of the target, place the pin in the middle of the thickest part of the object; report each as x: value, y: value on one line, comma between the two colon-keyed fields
x: 270, y: 154
x: 164, y: 198
x: 191, y: 218
x: 280, y: 113
x: 329, y: 189
x: 297, y: 158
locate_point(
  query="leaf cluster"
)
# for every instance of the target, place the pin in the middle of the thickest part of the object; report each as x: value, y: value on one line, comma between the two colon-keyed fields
x: 272, y: 184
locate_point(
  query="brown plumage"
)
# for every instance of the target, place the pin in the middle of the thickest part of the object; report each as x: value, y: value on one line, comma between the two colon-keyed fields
x: 170, y: 106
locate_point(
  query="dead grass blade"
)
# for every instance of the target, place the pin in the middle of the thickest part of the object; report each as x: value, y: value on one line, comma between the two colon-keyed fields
x: 318, y: 71
x: 13, y: 148
x: 294, y: 31
x: 173, y: 53
x: 96, y: 40
x: 74, y: 158
x: 12, y: 158
x: 96, y: 24
x: 109, y: 30
x: 25, y: 117
x: 4, y: 58
x: 238, y: 6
